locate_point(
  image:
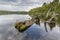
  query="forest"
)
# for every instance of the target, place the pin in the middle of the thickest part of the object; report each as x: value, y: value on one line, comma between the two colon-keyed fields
x: 47, y: 11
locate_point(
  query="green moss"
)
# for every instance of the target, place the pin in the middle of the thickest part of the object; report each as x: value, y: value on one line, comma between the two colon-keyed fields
x: 23, y: 27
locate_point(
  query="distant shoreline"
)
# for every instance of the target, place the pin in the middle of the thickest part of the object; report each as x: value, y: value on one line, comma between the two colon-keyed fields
x: 10, y: 12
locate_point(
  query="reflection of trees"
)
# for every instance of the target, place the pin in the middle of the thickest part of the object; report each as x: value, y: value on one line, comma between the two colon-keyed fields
x: 37, y: 20
x: 52, y: 21
x: 45, y: 26
x: 47, y: 13
x: 51, y: 25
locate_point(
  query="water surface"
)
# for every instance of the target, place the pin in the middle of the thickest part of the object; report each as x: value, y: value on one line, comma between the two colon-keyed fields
x: 35, y: 32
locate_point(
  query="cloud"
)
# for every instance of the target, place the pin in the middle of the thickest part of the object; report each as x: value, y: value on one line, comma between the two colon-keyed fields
x: 21, y: 5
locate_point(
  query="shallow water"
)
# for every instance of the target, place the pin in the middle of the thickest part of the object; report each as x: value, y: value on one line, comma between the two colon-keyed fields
x: 35, y: 32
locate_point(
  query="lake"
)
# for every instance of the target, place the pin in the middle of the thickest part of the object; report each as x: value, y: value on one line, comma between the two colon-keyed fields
x: 35, y: 32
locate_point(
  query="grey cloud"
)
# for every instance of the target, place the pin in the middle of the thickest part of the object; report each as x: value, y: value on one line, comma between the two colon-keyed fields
x: 8, y: 0
x: 21, y: 5
x: 23, y: 2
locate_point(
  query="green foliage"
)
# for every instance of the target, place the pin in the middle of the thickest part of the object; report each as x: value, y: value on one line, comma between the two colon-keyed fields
x: 56, y: 1
x: 11, y: 12
x: 42, y: 11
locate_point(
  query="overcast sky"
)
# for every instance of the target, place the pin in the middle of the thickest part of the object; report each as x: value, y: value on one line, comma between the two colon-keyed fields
x: 21, y: 5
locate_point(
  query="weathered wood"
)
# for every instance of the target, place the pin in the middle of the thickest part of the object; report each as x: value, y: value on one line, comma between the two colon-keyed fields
x: 53, y: 16
x: 48, y: 13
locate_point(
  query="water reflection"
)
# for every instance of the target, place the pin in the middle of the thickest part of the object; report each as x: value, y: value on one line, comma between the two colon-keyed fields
x: 51, y: 25
x: 8, y: 32
x: 45, y: 26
